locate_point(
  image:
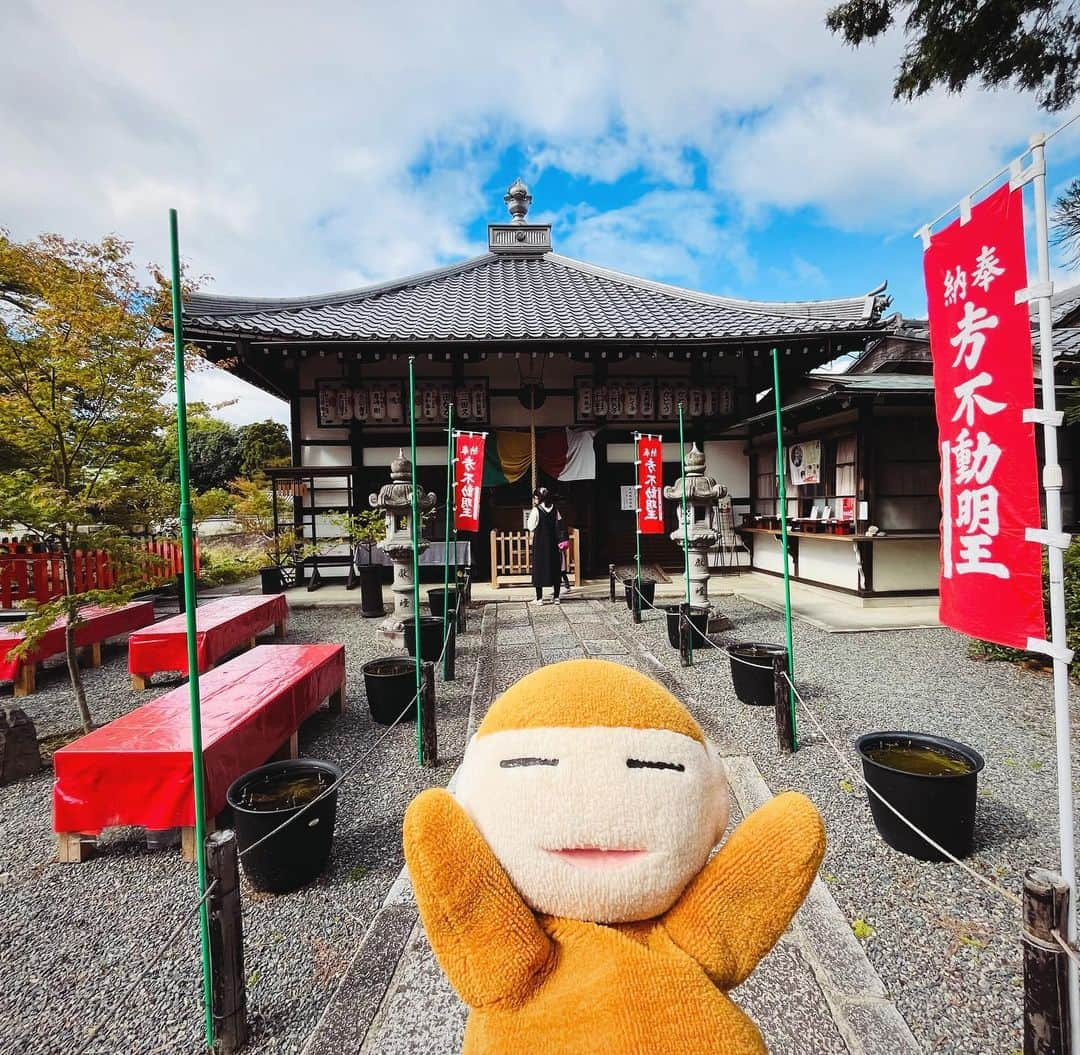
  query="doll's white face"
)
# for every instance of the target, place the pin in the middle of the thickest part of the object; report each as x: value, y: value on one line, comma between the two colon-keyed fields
x: 598, y: 824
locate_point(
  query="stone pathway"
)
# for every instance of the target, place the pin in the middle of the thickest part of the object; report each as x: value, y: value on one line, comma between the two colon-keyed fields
x: 814, y: 993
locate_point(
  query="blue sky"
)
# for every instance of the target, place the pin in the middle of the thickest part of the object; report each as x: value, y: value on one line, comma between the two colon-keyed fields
x: 738, y: 149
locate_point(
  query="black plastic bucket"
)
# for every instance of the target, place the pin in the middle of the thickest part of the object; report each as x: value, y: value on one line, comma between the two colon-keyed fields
x: 436, y: 600
x: 942, y: 804
x: 752, y: 670
x: 431, y: 637
x: 699, y: 621
x: 299, y: 852
x: 371, y: 600
x: 390, y: 684
x: 271, y: 580
x: 648, y: 592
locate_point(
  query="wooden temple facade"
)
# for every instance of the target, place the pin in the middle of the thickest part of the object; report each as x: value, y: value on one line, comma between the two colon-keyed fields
x: 522, y: 336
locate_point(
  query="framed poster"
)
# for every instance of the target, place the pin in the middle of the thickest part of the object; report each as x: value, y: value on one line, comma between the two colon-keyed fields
x: 804, y: 462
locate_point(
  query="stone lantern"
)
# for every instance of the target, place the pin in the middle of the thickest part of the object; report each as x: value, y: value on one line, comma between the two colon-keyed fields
x: 395, y: 499
x: 702, y: 494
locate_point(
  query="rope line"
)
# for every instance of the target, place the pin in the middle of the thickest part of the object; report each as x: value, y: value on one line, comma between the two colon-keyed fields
x: 450, y: 624
x: 1069, y: 950
x: 155, y: 960
x: 985, y: 880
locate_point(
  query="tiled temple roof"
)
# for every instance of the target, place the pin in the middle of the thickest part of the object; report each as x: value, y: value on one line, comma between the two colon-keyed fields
x: 502, y: 296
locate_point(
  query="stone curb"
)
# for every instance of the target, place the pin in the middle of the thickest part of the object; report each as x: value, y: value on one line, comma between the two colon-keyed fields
x: 866, y: 1018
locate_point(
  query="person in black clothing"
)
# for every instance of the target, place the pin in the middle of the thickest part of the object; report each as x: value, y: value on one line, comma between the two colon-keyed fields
x: 543, y: 523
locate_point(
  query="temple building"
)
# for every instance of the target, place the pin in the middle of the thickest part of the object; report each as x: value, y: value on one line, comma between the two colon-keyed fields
x: 542, y: 352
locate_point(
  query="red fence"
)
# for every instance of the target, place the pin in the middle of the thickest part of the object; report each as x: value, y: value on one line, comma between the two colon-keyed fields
x: 40, y: 576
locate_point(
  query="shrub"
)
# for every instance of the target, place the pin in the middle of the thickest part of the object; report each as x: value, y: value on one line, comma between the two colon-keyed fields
x: 987, y: 650
x: 223, y: 564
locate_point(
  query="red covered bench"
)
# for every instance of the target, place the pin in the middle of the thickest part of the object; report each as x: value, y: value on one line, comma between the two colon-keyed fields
x: 137, y: 769
x: 97, y: 626
x: 221, y: 627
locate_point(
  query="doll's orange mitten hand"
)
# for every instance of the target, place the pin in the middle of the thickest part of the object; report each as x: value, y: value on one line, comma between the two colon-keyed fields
x: 484, y: 936
x: 740, y: 903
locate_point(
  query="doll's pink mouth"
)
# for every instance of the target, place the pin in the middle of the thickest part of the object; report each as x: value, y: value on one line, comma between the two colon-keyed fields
x: 598, y: 857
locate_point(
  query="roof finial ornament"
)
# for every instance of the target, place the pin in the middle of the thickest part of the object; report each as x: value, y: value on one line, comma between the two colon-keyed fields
x: 518, y: 199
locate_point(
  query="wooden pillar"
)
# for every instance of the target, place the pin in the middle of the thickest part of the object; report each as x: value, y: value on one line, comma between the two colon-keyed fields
x: 1046, y: 964
x: 611, y: 581
x: 785, y: 730
x: 429, y: 740
x: 685, y: 630
x: 451, y: 645
x: 229, y: 998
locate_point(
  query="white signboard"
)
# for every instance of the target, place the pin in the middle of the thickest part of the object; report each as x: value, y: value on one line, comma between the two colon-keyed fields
x: 628, y: 499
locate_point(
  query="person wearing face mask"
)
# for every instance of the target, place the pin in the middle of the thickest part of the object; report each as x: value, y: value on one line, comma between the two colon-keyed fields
x: 543, y: 525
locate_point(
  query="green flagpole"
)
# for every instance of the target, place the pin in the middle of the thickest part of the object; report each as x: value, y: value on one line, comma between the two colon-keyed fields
x: 685, y: 523
x: 782, y: 488
x: 451, y: 504
x: 188, y: 548
x: 415, y: 558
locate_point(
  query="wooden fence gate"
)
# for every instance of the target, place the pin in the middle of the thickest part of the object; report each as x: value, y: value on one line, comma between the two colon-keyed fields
x: 511, y: 558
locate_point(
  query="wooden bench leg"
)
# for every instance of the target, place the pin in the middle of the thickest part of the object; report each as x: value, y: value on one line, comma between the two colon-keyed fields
x: 337, y: 700
x: 74, y: 847
x: 252, y: 642
x: 26, y: 682
x: 289, y: 749
x: 95, y: 654
x: 282, y: 628
x: 187, y: 838
x: 139, y: 682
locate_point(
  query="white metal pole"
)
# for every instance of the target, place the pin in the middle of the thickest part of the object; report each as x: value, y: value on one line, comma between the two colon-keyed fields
x: 1052, y: 486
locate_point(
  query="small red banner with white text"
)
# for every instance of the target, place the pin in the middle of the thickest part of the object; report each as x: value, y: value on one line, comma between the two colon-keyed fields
x: 650, y: 466
x: 980, y: 342
x: 468, y: 479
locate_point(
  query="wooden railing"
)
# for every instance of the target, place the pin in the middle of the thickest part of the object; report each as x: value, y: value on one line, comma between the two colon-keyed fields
x: 511, y: 558
x: 40, y: 576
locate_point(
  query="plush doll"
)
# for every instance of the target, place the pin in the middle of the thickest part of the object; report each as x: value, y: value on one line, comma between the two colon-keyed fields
x: 567, y: 886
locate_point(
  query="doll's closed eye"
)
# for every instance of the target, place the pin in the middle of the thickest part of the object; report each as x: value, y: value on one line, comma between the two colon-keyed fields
x: 637, y: 763
x: 515, y: 763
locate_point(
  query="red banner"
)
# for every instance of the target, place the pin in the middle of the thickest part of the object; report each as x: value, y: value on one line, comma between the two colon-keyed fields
x: 980, y: 341
x: 468, y: 478
x: 650, y: 465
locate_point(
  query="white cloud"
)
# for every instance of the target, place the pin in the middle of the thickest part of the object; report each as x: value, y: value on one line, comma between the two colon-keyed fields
x: 669, y: 235
x: 314, y: 147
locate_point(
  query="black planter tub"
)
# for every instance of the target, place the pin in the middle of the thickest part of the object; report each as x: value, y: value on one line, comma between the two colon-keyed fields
x: 371, y: 600
x: 271, y: 580
x: 436, y: 600
x: 431, y: 637
x: 647, y: 588
x: 932, y: 781
x: 699, y: 623
x: 752, y: 670
x: 264, y: 799
x: 390, y: 684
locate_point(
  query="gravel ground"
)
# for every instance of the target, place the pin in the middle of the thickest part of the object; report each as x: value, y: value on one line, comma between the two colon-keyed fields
x: 74, y: 937
x: 945, y: 946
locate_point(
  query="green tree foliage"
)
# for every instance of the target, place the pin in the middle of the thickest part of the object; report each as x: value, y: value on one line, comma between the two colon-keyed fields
x: 1034, y: 44
x: 219, y: 452
x: 1066, y: 225
x: 84, y: 364
x: 263, y: 444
